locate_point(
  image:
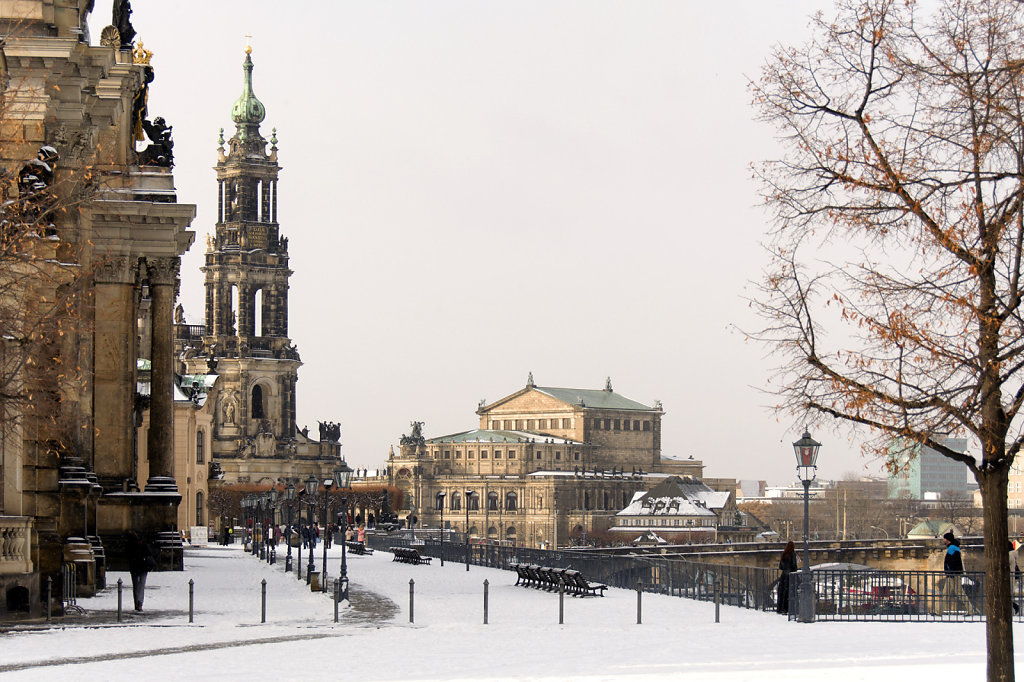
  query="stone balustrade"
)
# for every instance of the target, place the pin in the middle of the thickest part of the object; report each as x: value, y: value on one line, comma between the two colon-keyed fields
x: 15, y: 534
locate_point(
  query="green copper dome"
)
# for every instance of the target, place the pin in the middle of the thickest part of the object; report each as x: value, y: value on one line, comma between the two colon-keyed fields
x: 247, y: 111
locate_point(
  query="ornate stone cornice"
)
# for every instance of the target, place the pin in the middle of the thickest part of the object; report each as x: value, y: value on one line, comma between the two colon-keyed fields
x: 163, y: 270
x: 116, y: 270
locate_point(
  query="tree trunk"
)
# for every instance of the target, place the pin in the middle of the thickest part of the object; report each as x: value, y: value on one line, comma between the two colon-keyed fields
x: 999, y: 624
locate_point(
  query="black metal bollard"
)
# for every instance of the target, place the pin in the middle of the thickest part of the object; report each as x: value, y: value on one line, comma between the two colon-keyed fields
x: 639, y: 598
x: 337, y: 597
x: 718, y: 603
x: 412, y: 584
x: 298, y: 563
x: 191, y: 597
x: 119, y: 586
x: 485, y: 601
x: 561, y: 602
x: 49, y: 597
x: 263, y: 613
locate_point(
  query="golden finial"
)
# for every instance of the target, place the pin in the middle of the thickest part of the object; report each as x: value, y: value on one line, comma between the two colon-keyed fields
x: 248, y: 46
x: 140, y: 55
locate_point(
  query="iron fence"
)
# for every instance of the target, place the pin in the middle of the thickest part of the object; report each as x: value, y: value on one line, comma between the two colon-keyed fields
x: 894, y: 595
x: 848, y: 594
x: 743, y: 586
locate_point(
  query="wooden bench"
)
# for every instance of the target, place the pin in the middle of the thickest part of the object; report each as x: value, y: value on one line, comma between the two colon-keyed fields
x: 552, y: 579
x: 409, y: 555
x: 585, y: 588
x: 358, y: 548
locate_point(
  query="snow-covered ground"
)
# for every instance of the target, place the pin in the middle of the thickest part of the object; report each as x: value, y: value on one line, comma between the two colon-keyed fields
x: 374, y: 639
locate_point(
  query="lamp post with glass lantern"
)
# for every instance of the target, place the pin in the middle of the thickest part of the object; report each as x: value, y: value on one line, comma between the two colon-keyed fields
x: 806, y: 450
x: 311, y: 486
x: 469, y: 500
x: 289, y: 498
x: 261, y: 549
x: 328, y: 484
x: 440, y: 505
x: 273, y: 498
x: 301, y: 494
x: 343, y: 478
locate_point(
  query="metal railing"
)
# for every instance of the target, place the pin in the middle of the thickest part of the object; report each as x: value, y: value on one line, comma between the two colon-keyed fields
x: 743, y: 586
x: 895, y: 595
x: 69, y: 588
x: 864, y: 595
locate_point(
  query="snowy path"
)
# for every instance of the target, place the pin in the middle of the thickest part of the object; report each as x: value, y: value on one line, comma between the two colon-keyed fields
x: 523, y: 640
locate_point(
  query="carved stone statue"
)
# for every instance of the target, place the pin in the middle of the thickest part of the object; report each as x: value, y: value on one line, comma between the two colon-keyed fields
x: 121, y: 18
x: 330, y: 432
x: 229, y: 413
x: 34, y: 179
x: 179, y: 314
x: 161, y: 150
x: 416, y: 437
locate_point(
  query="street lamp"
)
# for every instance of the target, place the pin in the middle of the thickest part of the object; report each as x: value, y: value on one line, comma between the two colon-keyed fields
x: 343, y: 477
x: 806, y: 450
x: 469, y: 498
x: 440, y: 504
x: 883, y: 530
x: 328, y: 484
x: 289, y: 498
x: 272, y: 526
x: 311, y: 486
x: 298, y: 559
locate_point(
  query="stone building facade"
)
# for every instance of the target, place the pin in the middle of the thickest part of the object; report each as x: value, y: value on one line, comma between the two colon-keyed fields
x: 546, y: 464
x: 245, y: 340
x: 70, y: 473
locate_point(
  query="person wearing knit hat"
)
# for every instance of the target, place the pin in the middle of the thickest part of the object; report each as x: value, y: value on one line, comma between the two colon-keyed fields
x: 953, y: 562
x: 954, y: 583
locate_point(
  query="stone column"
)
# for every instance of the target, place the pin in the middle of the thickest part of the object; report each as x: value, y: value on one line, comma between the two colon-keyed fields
x: 163, y: 275
x: 114, y: 367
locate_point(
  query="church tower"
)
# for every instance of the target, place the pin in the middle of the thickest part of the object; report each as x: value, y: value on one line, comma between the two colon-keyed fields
x: 245, y: 336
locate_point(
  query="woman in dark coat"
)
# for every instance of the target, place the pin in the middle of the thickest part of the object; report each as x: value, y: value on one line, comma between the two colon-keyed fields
x: 140, y: 563
x: 787, y: 564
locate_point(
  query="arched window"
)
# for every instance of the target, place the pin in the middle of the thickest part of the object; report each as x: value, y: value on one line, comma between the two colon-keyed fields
x: 492, y: 502
x: 257, y: 311
x: 199, y: 508
x: 586, y: 500
x: 473, y: 502
x: 257, y: 402
x: 511, y: 501
x: 200, y: 455
x: 456, y: 501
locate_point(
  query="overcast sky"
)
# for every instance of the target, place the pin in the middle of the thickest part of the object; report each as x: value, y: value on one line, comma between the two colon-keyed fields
x: 476, y: 190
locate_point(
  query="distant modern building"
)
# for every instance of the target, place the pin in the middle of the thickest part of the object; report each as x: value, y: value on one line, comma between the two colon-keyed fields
x: 922, y: 470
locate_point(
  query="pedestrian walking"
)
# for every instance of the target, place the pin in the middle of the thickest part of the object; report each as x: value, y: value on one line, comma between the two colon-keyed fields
x: 955, y: 582
x: 140, y: 563
x: 1014, y: 577
x: 787, y: 564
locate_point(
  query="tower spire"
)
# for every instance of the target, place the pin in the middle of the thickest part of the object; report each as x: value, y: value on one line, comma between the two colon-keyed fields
x: 248, y: 112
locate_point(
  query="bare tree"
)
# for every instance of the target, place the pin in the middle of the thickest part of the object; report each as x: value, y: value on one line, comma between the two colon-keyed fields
x: 898, y: 227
